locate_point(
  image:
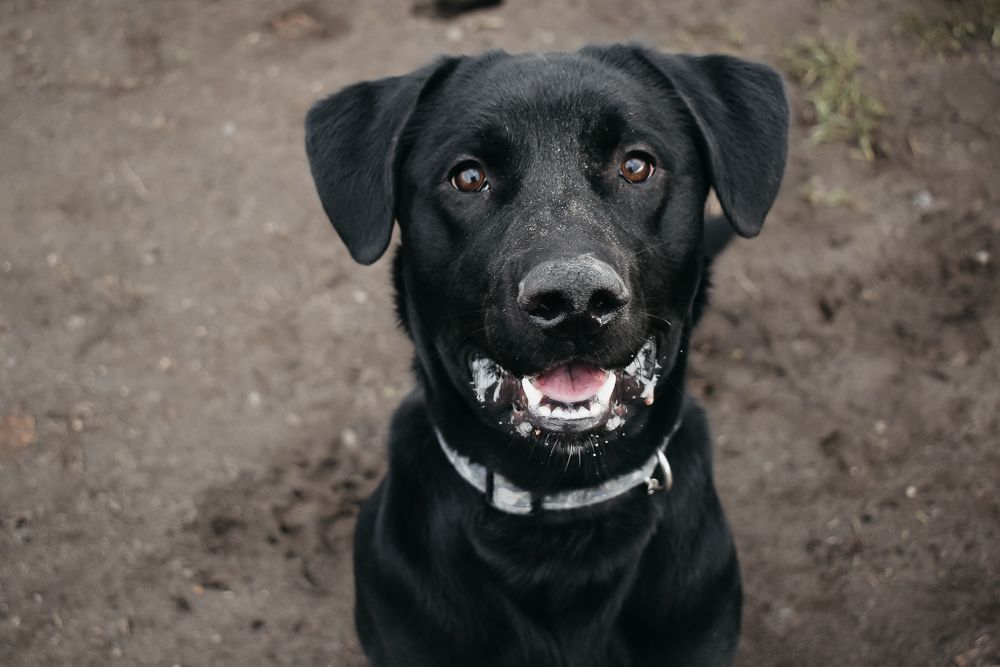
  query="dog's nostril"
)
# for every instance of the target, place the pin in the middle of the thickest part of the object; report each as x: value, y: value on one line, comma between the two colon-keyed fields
x: 550, y: 306
x: 604, y: 302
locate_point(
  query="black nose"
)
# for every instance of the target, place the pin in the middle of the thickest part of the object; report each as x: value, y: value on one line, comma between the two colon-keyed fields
x: 572, y: 297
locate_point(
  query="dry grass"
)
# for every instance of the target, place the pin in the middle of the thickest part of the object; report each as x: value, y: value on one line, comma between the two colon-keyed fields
x: 960, y: 28
x: 818, y: 194
x: 839, y: 108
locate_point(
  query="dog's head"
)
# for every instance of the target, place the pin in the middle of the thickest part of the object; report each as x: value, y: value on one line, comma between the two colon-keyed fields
x: 551, y: 216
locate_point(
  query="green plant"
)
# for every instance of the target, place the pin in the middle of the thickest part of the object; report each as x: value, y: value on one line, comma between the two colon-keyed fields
x: 817, y: 194
x: 959, y: 29
x: 839, y: 108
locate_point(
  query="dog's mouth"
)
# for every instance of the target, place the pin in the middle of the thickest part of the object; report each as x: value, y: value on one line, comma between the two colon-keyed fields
x: 572, y: 397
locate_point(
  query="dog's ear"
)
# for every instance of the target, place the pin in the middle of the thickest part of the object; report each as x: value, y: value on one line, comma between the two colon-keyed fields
x: 741, y: 110
x: 353, y: 142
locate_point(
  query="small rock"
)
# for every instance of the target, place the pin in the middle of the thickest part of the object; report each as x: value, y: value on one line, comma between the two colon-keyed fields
x: 17, y: 431
x: 923, y: 200
x: 450, y: 8
x: 479, y: 23
x: 349, y: 439
x: 296, y: 24
x: 869, y: 296
x: 254, y: 399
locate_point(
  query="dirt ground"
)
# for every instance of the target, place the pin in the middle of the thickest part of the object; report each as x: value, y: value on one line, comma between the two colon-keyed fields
x: 195, y: 379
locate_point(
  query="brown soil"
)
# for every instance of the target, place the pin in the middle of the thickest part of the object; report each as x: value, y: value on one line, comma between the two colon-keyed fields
x: 195, y: 380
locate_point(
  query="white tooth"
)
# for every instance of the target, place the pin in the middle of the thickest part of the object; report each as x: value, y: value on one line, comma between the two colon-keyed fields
x: 604, y: 393
x: 560, y: 413
x: 582, y: 412
x: 533, y: 395
x: 544, y: 411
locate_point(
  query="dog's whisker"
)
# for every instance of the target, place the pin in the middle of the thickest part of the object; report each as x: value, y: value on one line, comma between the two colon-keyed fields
x: 650, y: 247
x: 451, y: 348
x: 656, y: 317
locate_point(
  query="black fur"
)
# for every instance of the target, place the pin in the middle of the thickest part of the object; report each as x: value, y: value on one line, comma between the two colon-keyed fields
x: 442, y: 578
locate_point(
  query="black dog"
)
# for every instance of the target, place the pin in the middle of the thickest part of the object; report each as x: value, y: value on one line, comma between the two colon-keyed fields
x: 552, y: 267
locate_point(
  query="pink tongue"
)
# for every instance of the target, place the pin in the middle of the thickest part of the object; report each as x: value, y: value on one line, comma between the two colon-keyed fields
x: 571, y: 383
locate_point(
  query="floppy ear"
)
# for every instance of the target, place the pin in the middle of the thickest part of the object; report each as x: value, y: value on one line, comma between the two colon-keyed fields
x: 742, y: 113
x: 741, y: 110
x: 352, y: 141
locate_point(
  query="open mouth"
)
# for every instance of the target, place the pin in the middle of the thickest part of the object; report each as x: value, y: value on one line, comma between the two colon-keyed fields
x: 574, y: 396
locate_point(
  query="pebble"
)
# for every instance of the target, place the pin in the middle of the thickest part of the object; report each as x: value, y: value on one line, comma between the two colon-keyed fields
x: 923, y: 200
x: 349, y: 438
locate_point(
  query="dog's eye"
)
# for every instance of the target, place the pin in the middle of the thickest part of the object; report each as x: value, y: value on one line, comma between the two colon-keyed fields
x: 469, y: 177
x: 636, y: 167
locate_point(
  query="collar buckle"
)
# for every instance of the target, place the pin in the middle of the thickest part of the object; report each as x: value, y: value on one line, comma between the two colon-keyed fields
x: 652, y: 484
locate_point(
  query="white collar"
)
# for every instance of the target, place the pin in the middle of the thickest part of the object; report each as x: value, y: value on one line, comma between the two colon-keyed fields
x: 505, y: 496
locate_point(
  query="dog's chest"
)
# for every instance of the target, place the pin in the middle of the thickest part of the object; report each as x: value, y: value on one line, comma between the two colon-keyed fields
x: 571, y: 587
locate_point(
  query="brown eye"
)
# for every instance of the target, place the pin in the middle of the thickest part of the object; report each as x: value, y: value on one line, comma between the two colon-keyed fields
x: 469, y: 177
x: 636, y: 167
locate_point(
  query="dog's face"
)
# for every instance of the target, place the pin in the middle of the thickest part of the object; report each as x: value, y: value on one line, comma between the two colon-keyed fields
x: 551, y: 217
